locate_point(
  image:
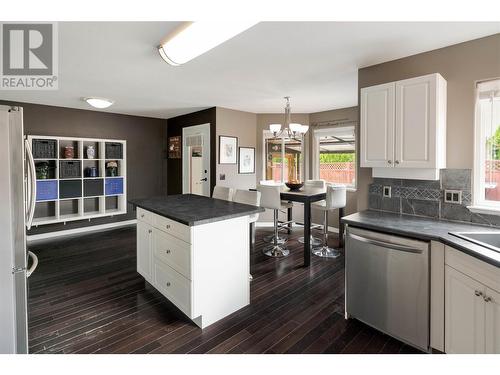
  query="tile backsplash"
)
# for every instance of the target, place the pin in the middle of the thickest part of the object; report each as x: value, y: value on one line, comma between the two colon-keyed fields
x: 426, y: 198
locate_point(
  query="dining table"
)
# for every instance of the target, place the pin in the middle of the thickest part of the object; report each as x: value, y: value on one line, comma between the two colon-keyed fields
x: 307, y: 196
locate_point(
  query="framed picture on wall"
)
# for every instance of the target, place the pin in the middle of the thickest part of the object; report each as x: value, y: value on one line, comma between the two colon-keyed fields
x: 174, y: 147
x: 246, y: 160
x: 228, y: 147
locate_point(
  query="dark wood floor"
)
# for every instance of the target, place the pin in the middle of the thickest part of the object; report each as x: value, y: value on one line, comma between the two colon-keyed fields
x: 86, y: 297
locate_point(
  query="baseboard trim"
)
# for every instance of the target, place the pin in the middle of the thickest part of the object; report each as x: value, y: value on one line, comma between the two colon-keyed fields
x: 79, y: 231
x: 270, y: 224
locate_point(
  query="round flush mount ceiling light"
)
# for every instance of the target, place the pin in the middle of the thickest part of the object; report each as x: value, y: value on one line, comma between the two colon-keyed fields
x: 100, y: 103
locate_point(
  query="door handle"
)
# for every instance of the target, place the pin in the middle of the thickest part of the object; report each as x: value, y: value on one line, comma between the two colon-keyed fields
x: 32, y: 182
x: 204, y: 179
x: 34, y: 265
x: 388, y: 245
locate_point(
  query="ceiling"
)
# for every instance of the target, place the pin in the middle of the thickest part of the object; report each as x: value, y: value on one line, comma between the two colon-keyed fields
x: 315, y: 63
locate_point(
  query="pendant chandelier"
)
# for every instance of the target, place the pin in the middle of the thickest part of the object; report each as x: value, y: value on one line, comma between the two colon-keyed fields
x: 289, y: 130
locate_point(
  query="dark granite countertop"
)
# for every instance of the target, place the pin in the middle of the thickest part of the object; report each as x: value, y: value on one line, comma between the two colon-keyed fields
x: 425, y: 229
x: 190, y: 209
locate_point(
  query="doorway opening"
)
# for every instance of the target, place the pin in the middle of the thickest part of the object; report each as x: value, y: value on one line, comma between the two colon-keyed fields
x: 196, y: 160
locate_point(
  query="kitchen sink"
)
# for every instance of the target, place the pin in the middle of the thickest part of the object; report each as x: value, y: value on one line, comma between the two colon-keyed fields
x: 491, y: 240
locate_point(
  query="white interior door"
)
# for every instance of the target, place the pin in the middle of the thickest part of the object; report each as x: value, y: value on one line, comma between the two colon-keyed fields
x: 196, y: 160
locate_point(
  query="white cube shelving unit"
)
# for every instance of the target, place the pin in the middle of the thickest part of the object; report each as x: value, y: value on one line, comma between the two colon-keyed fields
x: 61, y: 199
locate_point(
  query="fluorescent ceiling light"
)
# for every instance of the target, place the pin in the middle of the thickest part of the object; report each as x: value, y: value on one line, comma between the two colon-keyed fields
x: 99, y: 102
x: 196, y: 38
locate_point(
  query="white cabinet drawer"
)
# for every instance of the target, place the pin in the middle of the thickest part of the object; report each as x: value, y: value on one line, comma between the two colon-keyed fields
x: 173, y: 228
x: 172, y: 251
x: 145, y: 216
x: 173, y: 285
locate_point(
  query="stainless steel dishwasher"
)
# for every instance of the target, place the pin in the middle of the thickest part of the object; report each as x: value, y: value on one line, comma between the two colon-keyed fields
x: 387, y: 284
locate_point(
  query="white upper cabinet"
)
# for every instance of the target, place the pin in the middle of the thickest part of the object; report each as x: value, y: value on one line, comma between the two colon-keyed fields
x: 403, y: 128
x: 377, y: 129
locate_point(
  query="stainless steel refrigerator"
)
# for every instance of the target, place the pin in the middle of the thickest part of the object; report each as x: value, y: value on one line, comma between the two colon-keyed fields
x: 17, y: 207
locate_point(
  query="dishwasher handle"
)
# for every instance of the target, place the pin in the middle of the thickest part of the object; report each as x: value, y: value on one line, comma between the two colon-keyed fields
x: 388, y: 245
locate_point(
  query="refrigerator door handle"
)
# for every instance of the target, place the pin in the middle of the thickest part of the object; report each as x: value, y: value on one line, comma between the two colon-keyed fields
x: 32, y: 185
x: 34, y: 265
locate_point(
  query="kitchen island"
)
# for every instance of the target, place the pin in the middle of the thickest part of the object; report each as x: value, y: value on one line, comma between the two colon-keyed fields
x: 195, y: 250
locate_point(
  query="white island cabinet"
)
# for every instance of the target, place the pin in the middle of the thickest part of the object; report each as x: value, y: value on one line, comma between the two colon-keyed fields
x: 202, y: 269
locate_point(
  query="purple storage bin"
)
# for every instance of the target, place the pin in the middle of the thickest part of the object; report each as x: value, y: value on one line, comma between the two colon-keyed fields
x: 46, y: 190
x: 113, y: 186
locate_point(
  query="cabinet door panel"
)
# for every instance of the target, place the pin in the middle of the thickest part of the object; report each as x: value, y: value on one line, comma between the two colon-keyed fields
x: 492, y: 328
x: 464, y: 314
x: 415, y: 127
x: 377, y: 126
x: 144, y: 231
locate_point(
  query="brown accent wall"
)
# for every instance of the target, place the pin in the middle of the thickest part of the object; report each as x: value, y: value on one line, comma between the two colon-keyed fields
x: 462, y: 65
x: 144, y: 148
x: 174, y: 128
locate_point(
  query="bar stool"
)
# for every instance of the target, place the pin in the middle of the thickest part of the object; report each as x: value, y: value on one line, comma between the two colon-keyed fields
x: 336, y: 197
x: 315, y: 184
x: 221, y: 192
x: 282, y: 225
x: 270, y: 198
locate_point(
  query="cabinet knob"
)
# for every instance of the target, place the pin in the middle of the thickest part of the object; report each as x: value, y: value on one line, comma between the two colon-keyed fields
x: 487, y: 299
x: 167, y: 226
x: 142, y: 215
x: 168, y: 284
x: 396, y: 161
x: 167, y: 251
x: 389, y: 161
x: 478, y: 293
x: 150, y: 231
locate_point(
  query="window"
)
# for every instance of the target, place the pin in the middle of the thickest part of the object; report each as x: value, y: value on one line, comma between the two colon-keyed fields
x: 335, y: 155
x: 487, y: 147
x: 283, y: 160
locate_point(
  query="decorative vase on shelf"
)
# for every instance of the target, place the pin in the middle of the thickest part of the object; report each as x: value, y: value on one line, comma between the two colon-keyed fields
x: 90, y: 152
x: 112, y: 169
x: 69, y: 152
x: 42, y: 171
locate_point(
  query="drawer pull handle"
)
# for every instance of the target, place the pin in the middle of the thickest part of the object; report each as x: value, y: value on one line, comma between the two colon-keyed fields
x: 478, y: 293
x: 167, y: 251
x: 150, y: 231
x: 167, y: 226
x: 487, y: 299
x: 168, y: 284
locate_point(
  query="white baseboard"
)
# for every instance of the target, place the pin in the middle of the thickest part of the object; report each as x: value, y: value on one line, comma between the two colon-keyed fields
x: 79, y: 231
x: 270, y: 224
